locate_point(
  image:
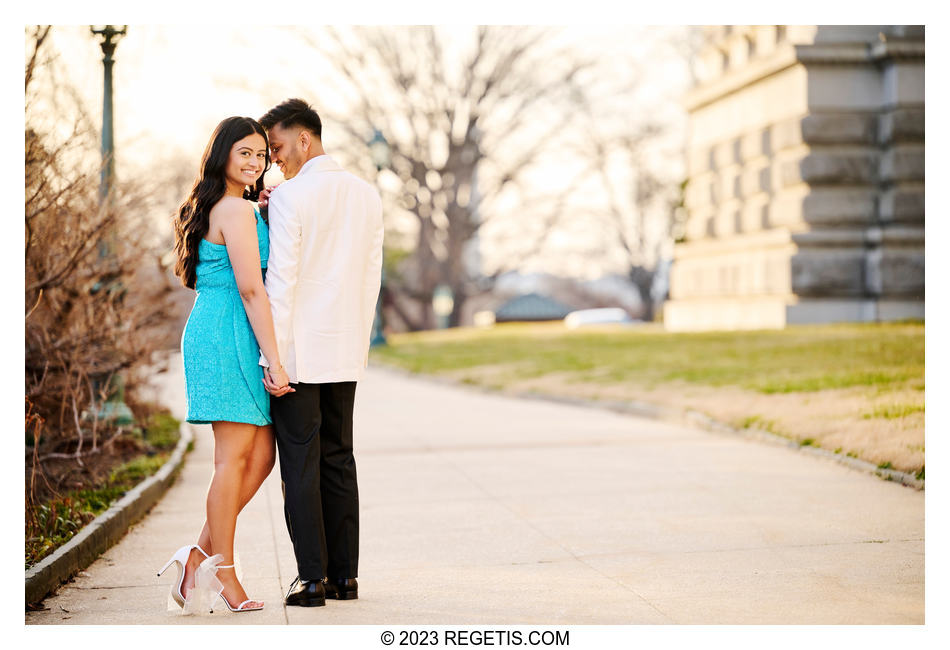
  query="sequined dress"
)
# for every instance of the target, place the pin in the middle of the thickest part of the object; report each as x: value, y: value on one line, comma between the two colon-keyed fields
x: 218, y: 346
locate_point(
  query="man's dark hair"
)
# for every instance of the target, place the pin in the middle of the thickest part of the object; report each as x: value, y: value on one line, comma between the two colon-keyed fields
x: 293, y: 112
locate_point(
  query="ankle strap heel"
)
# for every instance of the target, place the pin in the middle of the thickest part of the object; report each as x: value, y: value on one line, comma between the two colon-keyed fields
x: 241, y: 606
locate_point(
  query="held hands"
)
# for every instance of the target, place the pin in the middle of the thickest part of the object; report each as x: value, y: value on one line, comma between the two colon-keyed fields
x: 277, y: 382
x: 265, y: 195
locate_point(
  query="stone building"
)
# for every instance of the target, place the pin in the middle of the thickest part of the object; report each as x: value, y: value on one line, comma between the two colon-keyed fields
x: 805, y: 193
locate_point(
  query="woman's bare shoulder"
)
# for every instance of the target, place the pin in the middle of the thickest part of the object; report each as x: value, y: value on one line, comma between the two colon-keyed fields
x: 230, y: 207
x: 227, y: 213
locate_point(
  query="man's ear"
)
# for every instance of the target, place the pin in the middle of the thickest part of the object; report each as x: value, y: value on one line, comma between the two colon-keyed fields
x: 305, y: 140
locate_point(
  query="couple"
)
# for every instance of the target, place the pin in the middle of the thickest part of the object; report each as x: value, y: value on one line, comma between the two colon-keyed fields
x: 285, y: 307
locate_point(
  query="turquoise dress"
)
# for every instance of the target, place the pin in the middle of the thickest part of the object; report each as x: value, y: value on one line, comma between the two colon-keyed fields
x: 220, y: 351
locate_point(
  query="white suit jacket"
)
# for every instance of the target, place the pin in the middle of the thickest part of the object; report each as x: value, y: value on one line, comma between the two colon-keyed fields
x: 323, y: 271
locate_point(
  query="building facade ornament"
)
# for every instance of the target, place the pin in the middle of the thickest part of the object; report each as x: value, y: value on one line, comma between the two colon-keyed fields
x: 805, y: 192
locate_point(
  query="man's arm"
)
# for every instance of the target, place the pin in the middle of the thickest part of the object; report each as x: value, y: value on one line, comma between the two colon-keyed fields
x: 372, y: 276
x: 282, y: 268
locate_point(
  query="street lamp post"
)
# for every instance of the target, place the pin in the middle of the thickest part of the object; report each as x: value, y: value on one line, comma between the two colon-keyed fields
x: 114, y: 407
x: 110, y: 37
x: 379, y: 150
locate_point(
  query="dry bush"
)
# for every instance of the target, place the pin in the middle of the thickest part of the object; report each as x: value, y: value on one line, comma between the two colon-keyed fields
x: 97, y: 300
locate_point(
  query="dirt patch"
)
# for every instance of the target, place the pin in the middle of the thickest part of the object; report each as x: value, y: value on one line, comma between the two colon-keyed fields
x: 499, y: 376
x: 62, y: 475
x: 876, y: 426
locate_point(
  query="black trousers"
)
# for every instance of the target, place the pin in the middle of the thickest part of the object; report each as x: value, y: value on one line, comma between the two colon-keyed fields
x: 314, y: 430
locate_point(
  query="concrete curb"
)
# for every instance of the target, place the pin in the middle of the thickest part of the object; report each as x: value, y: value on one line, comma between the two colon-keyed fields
x: 678, y: 416
x: 106, y: 529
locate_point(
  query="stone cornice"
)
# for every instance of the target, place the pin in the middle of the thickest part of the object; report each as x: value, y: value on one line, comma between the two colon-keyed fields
x: 851, y: 53
x: 842, y: 53
x: 788, y: 55
x: 759, y: 68
x: 898, y: 50
x: 740, y: 242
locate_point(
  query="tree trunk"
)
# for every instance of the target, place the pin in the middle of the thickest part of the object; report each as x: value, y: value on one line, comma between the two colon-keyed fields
x: 643, y: 280
x: 459, y: 297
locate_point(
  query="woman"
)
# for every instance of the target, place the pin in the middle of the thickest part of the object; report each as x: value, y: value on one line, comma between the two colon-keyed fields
x: 221, y: 244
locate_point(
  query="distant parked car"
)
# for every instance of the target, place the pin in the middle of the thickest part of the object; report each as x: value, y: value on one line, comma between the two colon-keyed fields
x: 597, y: 317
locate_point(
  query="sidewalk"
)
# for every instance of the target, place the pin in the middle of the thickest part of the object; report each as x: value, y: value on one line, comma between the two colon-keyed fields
x: 483, y: 509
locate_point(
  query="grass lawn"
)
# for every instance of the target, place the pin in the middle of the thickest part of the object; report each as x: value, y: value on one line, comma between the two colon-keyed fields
x: 855, y: 389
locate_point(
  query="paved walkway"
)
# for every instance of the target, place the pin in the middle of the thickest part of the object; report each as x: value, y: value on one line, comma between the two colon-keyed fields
x: 482, y: 509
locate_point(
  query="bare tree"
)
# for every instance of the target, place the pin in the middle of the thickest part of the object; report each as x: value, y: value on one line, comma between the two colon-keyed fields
x: 628, y: 165
x: 96, y: 299
x: 638, y: 203
x: 469, y: 119
x: 647, y: 195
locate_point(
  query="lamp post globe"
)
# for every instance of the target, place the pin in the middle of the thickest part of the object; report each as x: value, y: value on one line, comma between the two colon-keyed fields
x: 379, y: 150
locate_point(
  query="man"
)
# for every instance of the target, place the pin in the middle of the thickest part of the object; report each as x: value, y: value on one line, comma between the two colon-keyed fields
x: 323, y: 277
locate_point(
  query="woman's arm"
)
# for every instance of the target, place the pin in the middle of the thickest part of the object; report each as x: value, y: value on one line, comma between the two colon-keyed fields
x: 239, y: 228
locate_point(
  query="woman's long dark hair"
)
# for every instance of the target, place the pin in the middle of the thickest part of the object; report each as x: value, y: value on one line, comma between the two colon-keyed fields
x: 191, y: 224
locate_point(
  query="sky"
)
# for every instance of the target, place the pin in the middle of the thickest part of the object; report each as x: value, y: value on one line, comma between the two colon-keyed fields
x: 174, y: 83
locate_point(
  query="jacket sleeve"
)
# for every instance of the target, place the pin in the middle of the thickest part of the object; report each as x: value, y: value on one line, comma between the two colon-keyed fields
x: 373, y: 270
x: 282, y: 270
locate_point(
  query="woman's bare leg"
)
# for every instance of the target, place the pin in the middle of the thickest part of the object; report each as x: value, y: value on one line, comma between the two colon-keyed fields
x: 233, y: 442
x: 259, y: 467
x: 260, y: 464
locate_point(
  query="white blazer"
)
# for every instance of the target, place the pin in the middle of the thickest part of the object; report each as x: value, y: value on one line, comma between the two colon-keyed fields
x: 323, y: 271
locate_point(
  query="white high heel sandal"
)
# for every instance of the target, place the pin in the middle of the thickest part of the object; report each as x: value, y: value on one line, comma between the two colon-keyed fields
x: 180, y: 558
x: 241, y: 607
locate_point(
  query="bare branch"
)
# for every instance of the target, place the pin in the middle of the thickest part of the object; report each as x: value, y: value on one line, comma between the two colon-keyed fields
x: 468, y: 125
x: 39, y: 36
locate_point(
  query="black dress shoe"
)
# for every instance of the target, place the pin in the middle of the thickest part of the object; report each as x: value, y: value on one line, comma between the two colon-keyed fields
x: 306, y: 593
x: 341, y: 589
